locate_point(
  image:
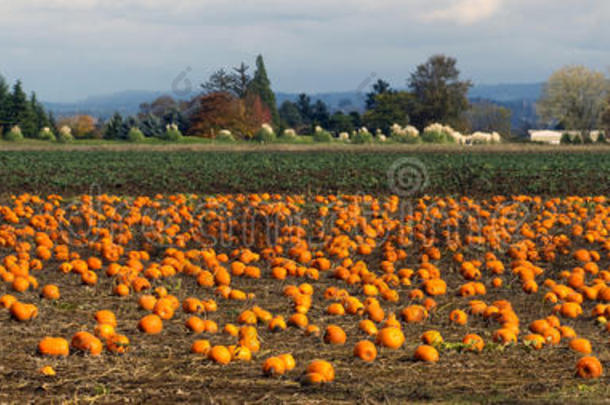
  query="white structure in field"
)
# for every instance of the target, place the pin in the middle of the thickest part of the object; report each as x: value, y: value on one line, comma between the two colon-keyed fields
x: 554, y: 137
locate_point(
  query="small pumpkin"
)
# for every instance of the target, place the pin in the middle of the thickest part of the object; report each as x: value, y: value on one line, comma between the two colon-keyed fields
x: 365, y: 350
x: 391, y: 338
x: 426, y: 353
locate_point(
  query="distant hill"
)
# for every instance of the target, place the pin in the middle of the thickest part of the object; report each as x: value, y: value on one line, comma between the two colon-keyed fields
x: 519, y: 98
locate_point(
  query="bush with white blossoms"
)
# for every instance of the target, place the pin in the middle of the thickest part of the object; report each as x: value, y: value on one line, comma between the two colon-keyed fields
x: 408, y: 134
x: 362, y: 136
x: 46, y: 134
x: 483, y: 138
x: 224, y: 135
x: 265, y: 134
x: 14, y: 134
x: 172, y: 133
x: 65, y: 134
x: 321, y: 135
x: 439, y: 133
x: 289, y: 134
x: 380, y: 136
x: 344, y: 136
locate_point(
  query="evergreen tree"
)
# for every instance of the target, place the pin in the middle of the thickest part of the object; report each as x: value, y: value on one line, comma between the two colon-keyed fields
x: 114, y: 127
x: 41, y: 119
x: 305, y: 108
x: 151, y: 126
x: 4, y: 105
x: 380, y: 87
x: 321, y: 115
x: 261, y: 86
x: 20, y: 111
x: 241, y: 80
x: 290, y: 115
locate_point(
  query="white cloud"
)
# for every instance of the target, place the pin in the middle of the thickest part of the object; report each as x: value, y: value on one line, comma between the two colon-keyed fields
x: 308, y: 46
x: 465, y: 11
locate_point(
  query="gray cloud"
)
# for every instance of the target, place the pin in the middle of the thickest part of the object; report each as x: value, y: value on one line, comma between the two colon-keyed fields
x: 68, y: 49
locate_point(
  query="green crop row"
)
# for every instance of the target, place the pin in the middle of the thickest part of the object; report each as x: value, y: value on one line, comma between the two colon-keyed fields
x: 147, y: 172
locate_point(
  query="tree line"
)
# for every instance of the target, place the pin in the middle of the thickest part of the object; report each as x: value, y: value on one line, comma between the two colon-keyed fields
x: 236, y: 103
x: 20, y: 112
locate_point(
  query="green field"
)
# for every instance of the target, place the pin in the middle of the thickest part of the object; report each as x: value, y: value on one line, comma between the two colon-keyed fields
x: 139, y: 171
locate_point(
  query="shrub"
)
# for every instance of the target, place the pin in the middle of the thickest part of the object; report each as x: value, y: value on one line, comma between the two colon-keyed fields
x: 362, y: 136
x: 225, y: 136
x: 577, y: 140
x: 408, y: 134
x: 14, y: 135
x: 565, y: 139
x: 172, y: 133
x: 135, y: 135
x: 289, y: 134
x: 46, y: 134
x: 433, y: 137
x: 65, y: 134
x: 265, y: 135
x: 344, y: 137
x: 601, y: 138
x: 320, y: 135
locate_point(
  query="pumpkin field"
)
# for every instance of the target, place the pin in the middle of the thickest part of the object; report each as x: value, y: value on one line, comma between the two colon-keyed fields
x: 304, y: 277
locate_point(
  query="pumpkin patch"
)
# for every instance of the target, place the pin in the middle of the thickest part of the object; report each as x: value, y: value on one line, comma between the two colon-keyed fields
x: 308, y: 292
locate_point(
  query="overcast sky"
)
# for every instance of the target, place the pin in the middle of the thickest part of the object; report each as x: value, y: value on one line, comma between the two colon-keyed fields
x: 69, y: 49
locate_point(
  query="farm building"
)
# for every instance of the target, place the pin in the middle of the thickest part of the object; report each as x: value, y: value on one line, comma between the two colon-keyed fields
x: 554, y: 137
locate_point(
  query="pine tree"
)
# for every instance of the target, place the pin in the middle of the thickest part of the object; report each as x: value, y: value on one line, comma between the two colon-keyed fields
x: 20, y: 111
x: 4, y: 105
x: 114, y: 127
x: 40, y: 117
x: 261, y: 86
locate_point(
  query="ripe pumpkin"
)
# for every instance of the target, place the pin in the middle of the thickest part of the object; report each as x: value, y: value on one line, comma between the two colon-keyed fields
x: 289, y: 361
x: 118, y: 344
x: 426, y: 353
x: 581, y: 345
x: 322, y: 368
x: 334, y: 335
x: 589, y: 367
x: 105, y: 316
x: 54, y: 346
x: 23, y: 312
x: 365, y: 350
x: 458, y: 317
x: 201, y: 347
x: 50, y: 292
x: 220, y: 355
x: 86, y: 342
x: 151, y: 324
x: 391, y: 338
x: 474, y: 342
x: 432, y: 337
x: 274, y: 366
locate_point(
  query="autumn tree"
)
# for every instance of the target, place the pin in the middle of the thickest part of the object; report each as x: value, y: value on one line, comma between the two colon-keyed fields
x: 261, y: 86
x: 439, y: 94
x: 574, y: 98
x: 83, y: 126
